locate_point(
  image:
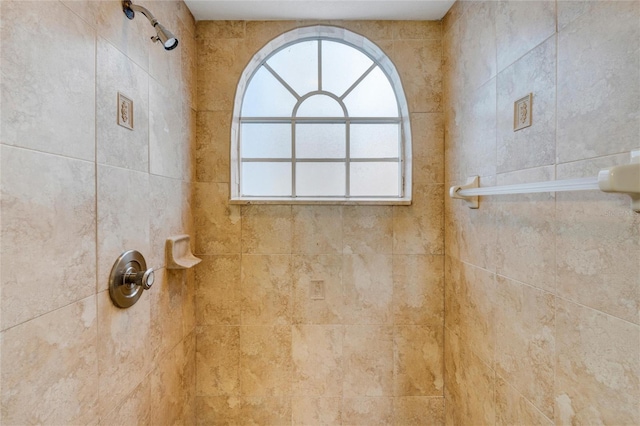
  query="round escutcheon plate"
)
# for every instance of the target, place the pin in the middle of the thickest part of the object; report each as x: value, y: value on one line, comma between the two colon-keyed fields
x: 125, y: 294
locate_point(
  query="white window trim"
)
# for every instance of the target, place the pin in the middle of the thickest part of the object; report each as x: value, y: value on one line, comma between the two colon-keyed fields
x: 376, y: 54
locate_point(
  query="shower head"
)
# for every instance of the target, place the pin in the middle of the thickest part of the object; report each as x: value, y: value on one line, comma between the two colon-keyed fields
x: 169, y: 41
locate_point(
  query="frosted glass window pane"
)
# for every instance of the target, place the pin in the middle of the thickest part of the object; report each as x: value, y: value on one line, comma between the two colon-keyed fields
x: 342, y: 65
x: 320, y: 140
x: 298, y: 66
x: 320, y: 179
x: 261, y: 140
x: 373, y: 97
x: 375, y: 141
x: 263, y: 179
x: 267, y: 97
x: 320, y: 106
x: 371, y: 179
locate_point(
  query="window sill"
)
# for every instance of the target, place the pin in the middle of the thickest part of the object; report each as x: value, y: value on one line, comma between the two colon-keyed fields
x: 316, y: 201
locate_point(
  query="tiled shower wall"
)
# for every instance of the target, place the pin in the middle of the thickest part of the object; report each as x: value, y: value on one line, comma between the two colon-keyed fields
x: 372, y: 351
x: 542, y: 291
x: 77, y: 190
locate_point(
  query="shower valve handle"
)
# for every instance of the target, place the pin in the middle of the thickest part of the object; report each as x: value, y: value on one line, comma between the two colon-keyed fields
x: 145, y: 279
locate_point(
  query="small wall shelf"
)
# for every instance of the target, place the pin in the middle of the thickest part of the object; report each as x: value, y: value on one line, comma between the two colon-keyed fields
x: 178, y: 252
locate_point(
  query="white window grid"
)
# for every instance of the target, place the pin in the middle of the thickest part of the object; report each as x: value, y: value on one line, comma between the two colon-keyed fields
x: 346, y: 120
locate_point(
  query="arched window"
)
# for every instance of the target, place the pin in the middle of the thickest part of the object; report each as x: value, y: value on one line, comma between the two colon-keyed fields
x: 320, y: 116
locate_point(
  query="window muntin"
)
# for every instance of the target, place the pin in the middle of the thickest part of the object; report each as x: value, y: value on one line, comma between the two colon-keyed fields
x: 347, y: 128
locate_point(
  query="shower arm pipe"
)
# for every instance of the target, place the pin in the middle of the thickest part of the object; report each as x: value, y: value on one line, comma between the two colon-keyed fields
x: 624, y: 179
x: 141, y: 9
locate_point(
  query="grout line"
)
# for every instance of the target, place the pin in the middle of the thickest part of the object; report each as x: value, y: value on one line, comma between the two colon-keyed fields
x: 535, y: 407
x: 557, y: 296
x: 99, y: 365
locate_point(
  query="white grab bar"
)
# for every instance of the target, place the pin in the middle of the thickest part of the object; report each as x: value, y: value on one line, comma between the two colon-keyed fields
x: 623, y: 179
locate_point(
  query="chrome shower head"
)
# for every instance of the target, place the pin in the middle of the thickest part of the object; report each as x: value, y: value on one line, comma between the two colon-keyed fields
x: 169, y: 41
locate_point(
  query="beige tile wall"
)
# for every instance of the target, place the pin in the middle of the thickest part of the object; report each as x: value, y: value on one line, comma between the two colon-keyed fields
x: 371, y: 352
x: 77, y: 190
x: 542, y: 291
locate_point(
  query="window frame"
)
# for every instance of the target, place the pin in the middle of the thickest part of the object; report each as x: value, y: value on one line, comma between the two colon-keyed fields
x: 379, y: 59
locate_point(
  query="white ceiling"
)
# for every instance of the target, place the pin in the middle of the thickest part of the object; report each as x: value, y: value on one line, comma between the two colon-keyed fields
x: 318, y: 9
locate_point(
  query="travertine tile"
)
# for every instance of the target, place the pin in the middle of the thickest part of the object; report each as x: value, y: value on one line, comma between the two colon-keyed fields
x: 367, y: 411
x: 479, y: 132
x: 317, y: 229
x: 520, y: 27
x: 316, y: 411
x: 50, y: 368
x: 213, y: 145
x: 166, y: 310
x: 48, y: 233
x: 419, y: 63
x: 427, y: 147
x: 367, y: 229
x: 188, y: 141
x: 267, y: 229
x: 220, y: 62
x: 165, y: 67
x: 123, y: 336
x: 170, y: 201
x: 259, y: 33
x: 470, y: 305
x: 217, y: 361
x: 307, y: 309
x: 419, y: 228
x: 477, y: 44
x: 218, y: 410
x: 418, y: 411
x: 265, y: 288
x: 186, y: 17
x: 221, y: 30
x: 188, y: 303
x: 374, y: 30
x: 368, y: 289
x: 452, y: 81
x: 117, y: 145
x: 525, y: 341
x: 265, y: 361
x: 471, y: 234
x: 598, y: 245
x: 134, y: 409
x: 453, y: 15
x: 317, y: 360
x: 535, y: 145
x: 131, y: 37
x: 189, y: 379
x: 48, y: 79
x: 570, y: 10
x: 188, y: 63
x: 218, y: 290
x: 418, y: 290
x: 368, y: 361
x: 598, y: 105
x: 514, y: 409
x: 121, y: 229
x: 470, y: 386
x: 166, y: 387
x: 257, y: 411
x: 169, y: 147
x: 412, y: 30
x: 418, y: 360
x: 218, y: 224
x: 526, y: 236
x: 597, y: 367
